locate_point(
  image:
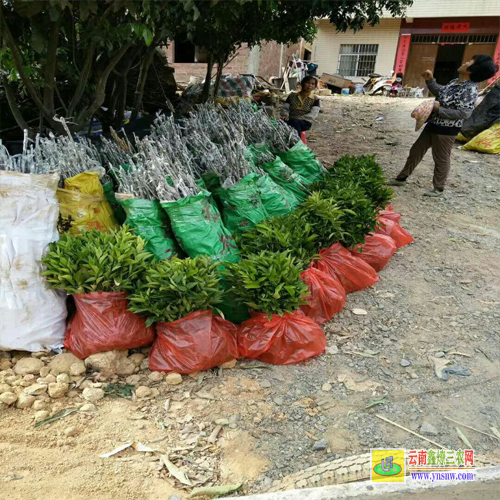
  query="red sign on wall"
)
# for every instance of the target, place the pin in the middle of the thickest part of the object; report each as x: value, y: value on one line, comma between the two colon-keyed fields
x: 496, y: 58
x: 455, y: 28
x: 402, y: 55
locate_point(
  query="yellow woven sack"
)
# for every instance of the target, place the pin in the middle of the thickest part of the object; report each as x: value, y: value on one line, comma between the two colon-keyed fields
x: 461, y: 137
x: 83, y: 206
x: 488, y: 141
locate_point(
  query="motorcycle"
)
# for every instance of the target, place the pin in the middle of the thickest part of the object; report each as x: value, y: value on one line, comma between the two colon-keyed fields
x: 378, y: 84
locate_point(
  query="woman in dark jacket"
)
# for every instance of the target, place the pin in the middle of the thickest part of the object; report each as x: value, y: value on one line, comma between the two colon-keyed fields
x: 454, y: 103
x: 301, y: 108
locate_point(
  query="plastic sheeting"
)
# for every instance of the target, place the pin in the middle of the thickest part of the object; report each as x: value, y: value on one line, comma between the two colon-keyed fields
x: 377, y: 250
x: 303, y: 162
x: 32, y: 317
x: 390, y: 228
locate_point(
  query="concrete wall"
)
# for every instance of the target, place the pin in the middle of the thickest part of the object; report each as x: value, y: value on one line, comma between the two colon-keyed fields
x: 326, y: 47
x: 454, y: 8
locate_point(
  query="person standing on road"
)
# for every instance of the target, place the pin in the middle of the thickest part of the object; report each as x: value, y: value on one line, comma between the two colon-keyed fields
x: 301, y: 108
x: 454, y: 103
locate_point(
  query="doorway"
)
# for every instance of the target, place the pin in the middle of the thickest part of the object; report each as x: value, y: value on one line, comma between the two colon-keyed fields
x: 449, y: 59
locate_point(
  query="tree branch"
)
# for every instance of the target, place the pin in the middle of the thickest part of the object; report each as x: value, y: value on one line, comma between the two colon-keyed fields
x: 141, y: 82
x: 14, y: 108
x: 20, y: 68
x: 82, y: 82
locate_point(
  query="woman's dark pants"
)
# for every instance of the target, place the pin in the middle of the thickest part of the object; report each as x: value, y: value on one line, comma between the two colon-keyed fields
x: 299, y: 125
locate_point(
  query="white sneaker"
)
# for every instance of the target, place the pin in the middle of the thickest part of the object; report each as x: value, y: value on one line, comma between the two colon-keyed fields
x: 434, y: 193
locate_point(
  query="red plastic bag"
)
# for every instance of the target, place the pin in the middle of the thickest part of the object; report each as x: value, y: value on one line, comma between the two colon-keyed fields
x: 327, y: 295
x: 376, y: 251
x: 353, y: 272
x: 103, y: 323
x: 283, y: 340
x: 199, y: 341
x: 390, y: 228
x: 388, y: 213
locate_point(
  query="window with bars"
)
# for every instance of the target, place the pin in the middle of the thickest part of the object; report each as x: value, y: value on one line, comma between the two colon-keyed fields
x: 357, y: 60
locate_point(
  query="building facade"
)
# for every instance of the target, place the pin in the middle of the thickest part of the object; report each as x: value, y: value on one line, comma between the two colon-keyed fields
x: 434, y: 34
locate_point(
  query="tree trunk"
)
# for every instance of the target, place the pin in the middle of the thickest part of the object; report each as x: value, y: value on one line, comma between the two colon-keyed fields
x: 50, y: 67
x: 141, y: 81
x: 208, y: 78
x: 123, y: 87
x: 14, y: 108
x: 220, y: 67
x: 100, y: 93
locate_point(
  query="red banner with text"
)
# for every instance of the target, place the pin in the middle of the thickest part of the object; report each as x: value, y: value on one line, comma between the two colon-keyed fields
x: 402, y: 55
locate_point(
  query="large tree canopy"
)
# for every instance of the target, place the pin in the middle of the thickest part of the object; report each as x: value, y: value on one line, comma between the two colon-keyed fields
x: 72, y: 57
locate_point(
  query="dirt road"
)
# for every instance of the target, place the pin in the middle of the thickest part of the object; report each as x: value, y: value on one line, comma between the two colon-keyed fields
x: 437, y: 297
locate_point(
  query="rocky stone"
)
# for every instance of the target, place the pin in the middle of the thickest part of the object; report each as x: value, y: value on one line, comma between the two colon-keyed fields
x: 62, y: 363
x: 63, y: 378
x: 41, y: 415
x: 49, y: 379
x: 20, y: 355
x: 36, y: 389
x: 156, y: 376
x: 278, y: 401
x: 77, y: 369
x: 405, y: 363
x: 144, y: 364
x: 5, y: 364
x: 266, y: 384
x: 39, y: 405
x: 4, y: 388
x: 92, y: 394
x: 125, y: 367
x: 133, y: 379
x: 58, y: 390
x: 228, y: 364
x: 85, y: 384
x: 137, y: 358
x: 25, y: 401
x: 173, y: 378
x: 332, y: 349
x: 28, y: 365
x: 44, y: 371
x: 89, y: 407
x: 428, y: 429
x: 414, y: 376
x: 73, y: 394
x: 439, y: 354
x: 142, y: 391
x: 106, y: 362
x: 8, y: 398
x: 326, y: 387
x: 320, y: 445
x: 70, y: 431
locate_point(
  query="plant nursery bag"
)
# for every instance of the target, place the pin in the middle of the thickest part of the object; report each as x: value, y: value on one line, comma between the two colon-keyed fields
x: 103, y: 323
x: 242, y: 205
x: 32, y: 316
x: 303, y: 162
x: 377, y: 250
x: 388, y: 213
x: 326, y: 295
x: 353, y: 272
x: 390, y: 228
x: 285, y: 177
x: 281, y: 340
x: 198, y: 227
x: 151, y: 224
x: 110, y: 195
x: 276, y: 200
x: 83, y: 206
x: 199, y: 341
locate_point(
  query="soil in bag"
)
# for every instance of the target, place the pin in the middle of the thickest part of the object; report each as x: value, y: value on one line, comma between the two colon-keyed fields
x: 199, y: 341
x: 377, y: 250
x: 326, y: 297
x: 285, y: 177
x: 354, y: 273
x: 303, y: 162
x: 103, y: 323
x: 199, y: 229
x: 150, y: 223
x: 242, y: 205
x: 281, y: 340
x: 276, y: 200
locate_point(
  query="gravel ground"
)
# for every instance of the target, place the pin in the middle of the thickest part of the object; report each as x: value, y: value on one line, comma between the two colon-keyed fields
x: 438, y: 296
